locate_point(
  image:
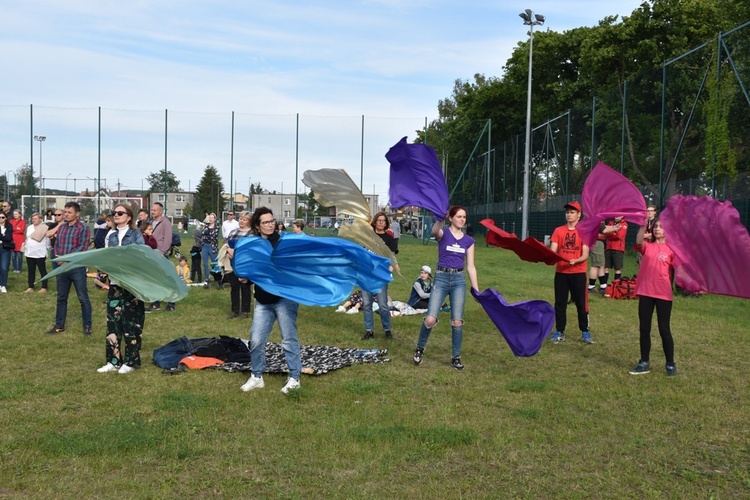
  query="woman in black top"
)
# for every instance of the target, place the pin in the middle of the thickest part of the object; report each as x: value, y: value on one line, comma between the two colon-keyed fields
x: 380, y: 226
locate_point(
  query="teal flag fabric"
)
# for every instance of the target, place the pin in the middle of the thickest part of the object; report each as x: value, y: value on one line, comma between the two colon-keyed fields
x: 138, y: 268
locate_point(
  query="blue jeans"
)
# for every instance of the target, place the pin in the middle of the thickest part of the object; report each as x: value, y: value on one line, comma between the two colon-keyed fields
x: 208, y: 256
x: 264, y: 316
x: 385, y: 313
x: 444, y: 285
x: 4, y: 265
x: 17, y: 259
x: 76, y: 277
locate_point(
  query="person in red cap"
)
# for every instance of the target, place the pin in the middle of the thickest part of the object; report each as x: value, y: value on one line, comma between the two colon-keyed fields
x: 570, y: 275
x: 614, y: 247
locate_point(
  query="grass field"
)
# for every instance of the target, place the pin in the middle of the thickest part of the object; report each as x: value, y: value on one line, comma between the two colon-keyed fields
x: 567, y: 423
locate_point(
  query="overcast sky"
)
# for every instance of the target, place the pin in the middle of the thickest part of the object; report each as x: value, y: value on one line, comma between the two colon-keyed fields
x: 330, y: 61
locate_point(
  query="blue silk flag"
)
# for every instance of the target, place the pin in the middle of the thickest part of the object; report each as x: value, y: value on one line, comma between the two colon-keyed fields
x: 417, y: 178
x: 524, y: 325
x: 310, y: 270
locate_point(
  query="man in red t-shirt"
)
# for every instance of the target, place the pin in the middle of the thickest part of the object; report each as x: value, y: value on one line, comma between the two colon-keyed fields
x: 570, y: 275
x: 614, y: 248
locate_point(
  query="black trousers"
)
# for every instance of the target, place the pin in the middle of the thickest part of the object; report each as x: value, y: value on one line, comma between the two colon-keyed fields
x: 646, y: 306
x: 240, y: 293
x: 573, y: 285
x: 32, y: 264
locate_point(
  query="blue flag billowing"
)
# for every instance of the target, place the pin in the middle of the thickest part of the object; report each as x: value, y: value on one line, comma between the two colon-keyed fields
x: 308, y: 270
x: 524, y: 325
x: 417, y: 178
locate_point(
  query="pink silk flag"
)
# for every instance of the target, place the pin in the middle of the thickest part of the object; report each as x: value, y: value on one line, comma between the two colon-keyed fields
x: 607, y: 194
x: 711, y: 245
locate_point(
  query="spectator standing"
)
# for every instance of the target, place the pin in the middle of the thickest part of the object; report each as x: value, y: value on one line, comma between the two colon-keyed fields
x: 36, y: 251
x: 125, y: 313
x: 241, y: 288
x: 19, y: 238
x: 52, y: 233
x: 100, y: 231
x: 379, y: 224
x: 570, y: 275
x: 209, y: 245
x: 614, y: 248
x: 143, y: 216
x: 6, y: 210
x: 229, y: 225
x: 6, y: 250
x: 161, y: 228
x: 72, y: 236
x: 270, y: 308
x: 654, y: 291
x: 148, y: 237
x: 396, y: 232
x: 196, y: 275
x: 298, y: 226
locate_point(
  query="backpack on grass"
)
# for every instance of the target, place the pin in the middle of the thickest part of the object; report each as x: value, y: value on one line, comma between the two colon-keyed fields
x: 621, y: 288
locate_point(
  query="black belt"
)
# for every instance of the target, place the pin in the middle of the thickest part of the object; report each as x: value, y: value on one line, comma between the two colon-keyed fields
x: 450, y: 270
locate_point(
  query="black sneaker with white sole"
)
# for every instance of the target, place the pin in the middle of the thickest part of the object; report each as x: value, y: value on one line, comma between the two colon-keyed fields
x: 456, y: 362
x: 418, y: 354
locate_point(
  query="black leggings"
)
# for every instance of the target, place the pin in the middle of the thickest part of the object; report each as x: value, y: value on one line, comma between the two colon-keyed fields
x: 646, y: 307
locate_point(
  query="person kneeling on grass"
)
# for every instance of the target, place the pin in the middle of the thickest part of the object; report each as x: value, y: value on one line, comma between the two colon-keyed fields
x: 270, y: 308
x: 654, y: 290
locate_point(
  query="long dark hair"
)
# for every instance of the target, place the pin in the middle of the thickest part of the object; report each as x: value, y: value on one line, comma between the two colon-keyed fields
x: 255, y: 219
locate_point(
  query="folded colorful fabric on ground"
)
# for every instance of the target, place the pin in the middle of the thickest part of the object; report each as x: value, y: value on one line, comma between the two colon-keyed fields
x: 234, y: 352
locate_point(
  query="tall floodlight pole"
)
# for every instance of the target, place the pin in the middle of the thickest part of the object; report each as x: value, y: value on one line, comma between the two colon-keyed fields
x: 529, y: 19
x: 41, y: 139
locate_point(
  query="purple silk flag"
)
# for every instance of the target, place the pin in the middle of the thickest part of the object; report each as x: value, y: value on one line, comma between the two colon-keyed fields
x: 606, y: 194
x: 524, y: 325
x: 417, y: 178
x: 711, y: 246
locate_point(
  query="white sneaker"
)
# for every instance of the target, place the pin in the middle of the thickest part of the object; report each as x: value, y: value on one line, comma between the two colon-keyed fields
x: 341, y: 309
x: 125, y: 369
x: 253, y: 383
x: 109, y: 367
x: 291, y: 384
x: 352, y: 311
x: 3, y: 290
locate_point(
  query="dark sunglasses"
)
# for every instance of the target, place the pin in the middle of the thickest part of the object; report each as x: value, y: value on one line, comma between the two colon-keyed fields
x: 58, y: 215
x: 119, y: 212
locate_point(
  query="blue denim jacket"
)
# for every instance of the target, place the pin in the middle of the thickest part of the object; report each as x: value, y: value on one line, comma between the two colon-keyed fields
x: 132, y: 236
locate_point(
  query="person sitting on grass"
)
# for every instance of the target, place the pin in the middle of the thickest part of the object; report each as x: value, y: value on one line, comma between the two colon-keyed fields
x: 420, y: 291
x: 183, y: 271
x: 353, y: 304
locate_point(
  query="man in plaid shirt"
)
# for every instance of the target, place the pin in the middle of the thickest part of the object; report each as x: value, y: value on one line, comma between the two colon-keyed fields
x: 72, y: 236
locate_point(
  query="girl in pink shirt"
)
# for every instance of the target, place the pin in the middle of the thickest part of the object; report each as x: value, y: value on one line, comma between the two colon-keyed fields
x: 654, y: 291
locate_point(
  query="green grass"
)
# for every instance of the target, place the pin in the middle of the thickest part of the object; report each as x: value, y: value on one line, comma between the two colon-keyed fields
x: 569, y: 422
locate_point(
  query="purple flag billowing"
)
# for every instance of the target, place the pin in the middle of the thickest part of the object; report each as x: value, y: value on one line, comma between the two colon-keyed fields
x: 606, y: 194
x: 417, y: 178
x: 711, y: 246
x: 524, y: 325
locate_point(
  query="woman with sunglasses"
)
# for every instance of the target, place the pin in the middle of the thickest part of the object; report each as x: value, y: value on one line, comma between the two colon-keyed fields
x: 125, y: 312
x: 270, y: 308
x: 6, y: 249
x: 382, y: 229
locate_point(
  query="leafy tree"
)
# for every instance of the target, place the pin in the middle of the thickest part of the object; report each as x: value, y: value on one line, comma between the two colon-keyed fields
x: 208, y: 194
x: 23, y: 186
x: 162, y: 181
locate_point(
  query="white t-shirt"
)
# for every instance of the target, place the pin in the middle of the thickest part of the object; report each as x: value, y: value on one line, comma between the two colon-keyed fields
x: 228, y: 226
x: 35, y: 249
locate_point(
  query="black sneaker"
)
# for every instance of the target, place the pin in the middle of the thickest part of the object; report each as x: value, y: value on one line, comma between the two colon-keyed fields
x: 671, y: 370
x: 54, y: 330
x: 642, y: 368
x: 233, y: 315
x: 388, y: 334
x: 154, y: 307
x: 418, y: 354
x: 87, y: 330
x: 368, y: 335
x: 170, y: 308
x: 456, y: 362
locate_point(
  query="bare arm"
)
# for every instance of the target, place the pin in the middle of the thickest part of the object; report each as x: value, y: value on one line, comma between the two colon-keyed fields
x: 437, y: 229
x: 641, y: 235
x: 470, y: 269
